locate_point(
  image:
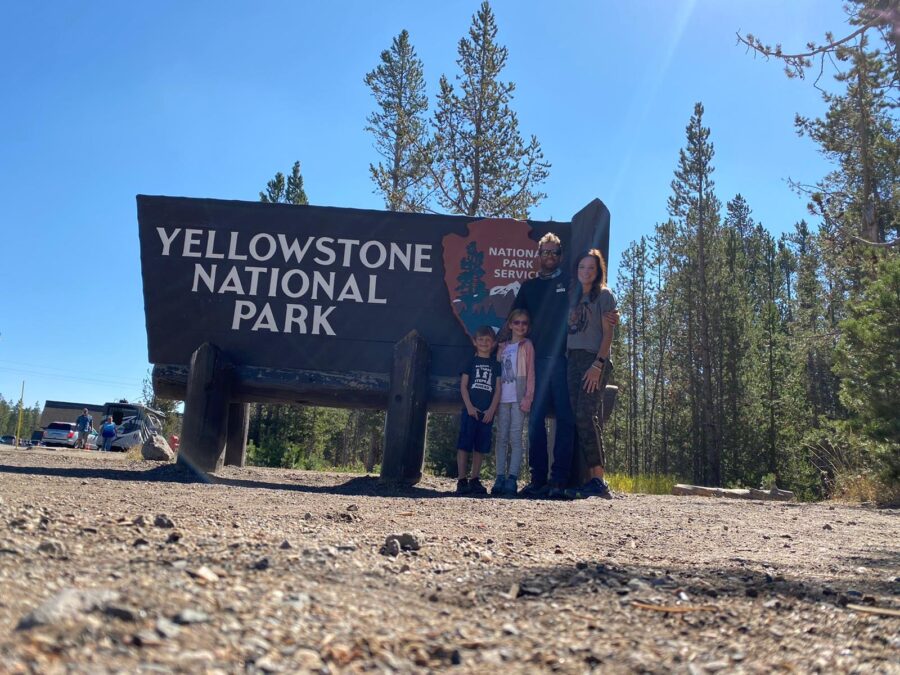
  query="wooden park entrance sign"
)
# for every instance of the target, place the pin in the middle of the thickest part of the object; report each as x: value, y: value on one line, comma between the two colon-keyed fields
x: 251, y: 302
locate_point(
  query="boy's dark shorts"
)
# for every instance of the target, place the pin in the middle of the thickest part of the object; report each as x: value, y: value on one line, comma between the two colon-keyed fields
x: 474, y: 434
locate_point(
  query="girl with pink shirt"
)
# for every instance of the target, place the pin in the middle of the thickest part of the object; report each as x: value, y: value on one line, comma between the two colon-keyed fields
x: 516, y: 394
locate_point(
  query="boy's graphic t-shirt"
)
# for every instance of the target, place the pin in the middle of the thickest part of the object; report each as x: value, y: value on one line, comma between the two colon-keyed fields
x: 483, y: 374
x: 508, y: 379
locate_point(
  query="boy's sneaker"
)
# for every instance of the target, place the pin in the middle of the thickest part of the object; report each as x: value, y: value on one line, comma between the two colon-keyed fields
x: 462, y: 486
x: 535, y: 490
x: 595, y: 487
x: 499, y: 487
x: 510, y: 486
x: 476, y: 488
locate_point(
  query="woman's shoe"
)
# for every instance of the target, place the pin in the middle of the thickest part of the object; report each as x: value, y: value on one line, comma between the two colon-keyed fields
x: 595, y: 487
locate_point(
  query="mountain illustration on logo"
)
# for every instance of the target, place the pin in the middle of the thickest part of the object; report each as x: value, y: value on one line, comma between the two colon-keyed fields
x: 485, y: 269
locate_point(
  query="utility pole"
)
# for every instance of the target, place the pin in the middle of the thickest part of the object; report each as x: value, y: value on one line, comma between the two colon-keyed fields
x: 21, y: 410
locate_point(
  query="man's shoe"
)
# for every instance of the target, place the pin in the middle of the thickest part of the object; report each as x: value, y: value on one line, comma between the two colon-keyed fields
x: 595, y: 487
x: 510, y: 486
x: 557, y: 492
x: 462, y: 486
x: 499, y: 487
x: 534, y: 490
x: 476, y: 488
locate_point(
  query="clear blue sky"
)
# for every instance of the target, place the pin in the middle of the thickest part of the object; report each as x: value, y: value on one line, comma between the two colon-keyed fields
x: 100, y: 101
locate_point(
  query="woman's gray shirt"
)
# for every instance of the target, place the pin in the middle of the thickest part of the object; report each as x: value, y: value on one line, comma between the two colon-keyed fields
x: 585, y: 319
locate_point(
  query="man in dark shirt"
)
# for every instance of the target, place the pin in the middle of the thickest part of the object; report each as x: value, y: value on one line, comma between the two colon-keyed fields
x: 546, y: 299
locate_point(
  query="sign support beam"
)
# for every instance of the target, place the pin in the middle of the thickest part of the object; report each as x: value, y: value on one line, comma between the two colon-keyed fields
x: 205, y: 411
x: 404, y: 431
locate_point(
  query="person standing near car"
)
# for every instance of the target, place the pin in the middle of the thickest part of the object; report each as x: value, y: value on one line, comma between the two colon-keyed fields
x: 108, y: 433
x: 84, y: 425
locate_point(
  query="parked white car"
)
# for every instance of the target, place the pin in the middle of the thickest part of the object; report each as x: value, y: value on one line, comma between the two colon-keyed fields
x: 60, y: 433
x: 64, y: 434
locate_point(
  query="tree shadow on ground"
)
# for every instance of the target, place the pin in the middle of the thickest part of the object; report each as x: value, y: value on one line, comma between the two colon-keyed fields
x: 368, y: 486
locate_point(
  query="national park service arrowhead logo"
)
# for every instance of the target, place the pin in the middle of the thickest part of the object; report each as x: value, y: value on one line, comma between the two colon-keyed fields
x: 484, y: 270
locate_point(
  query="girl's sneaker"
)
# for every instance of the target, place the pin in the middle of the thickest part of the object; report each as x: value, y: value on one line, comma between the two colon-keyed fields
x: 499, y: 487
x: 511, y: 486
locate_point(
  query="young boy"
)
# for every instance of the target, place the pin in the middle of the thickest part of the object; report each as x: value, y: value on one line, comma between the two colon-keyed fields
x: 480, y: 389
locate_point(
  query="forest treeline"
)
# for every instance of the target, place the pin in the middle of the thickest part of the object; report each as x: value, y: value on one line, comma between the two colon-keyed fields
x: 742, y: 359
x: 9, y: 418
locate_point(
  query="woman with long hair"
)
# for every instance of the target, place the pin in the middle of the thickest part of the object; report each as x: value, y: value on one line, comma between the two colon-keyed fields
x: 589, y: 340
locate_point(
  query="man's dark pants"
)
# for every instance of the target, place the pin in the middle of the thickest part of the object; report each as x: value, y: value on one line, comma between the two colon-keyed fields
x: 550, y: 387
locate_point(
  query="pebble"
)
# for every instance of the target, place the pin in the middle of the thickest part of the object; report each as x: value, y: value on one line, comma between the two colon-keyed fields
x: 146, y: 638
x: 162, y: 520
x: 189, y: 616
x: 9, y: 548
x: 408, y: 541
x: 166, y: 628
x: 123, y: 612
x: 308, y: 660
x: 204, y: 573
x: 52, y: 548
x: 66, y: 604
x: 391, y: 547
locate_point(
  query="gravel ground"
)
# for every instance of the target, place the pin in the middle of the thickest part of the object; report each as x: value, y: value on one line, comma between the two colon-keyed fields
x: 110, y: 565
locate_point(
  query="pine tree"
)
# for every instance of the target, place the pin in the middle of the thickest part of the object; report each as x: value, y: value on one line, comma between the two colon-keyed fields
x: 281, y: 191
x: 696, y: 206
x: 399, y: 126
x: 859, y: 200
x: 869, y: 365
x: 480, y: 164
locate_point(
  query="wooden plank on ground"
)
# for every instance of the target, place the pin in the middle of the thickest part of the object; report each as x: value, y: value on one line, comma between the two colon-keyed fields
x: 774, y: 494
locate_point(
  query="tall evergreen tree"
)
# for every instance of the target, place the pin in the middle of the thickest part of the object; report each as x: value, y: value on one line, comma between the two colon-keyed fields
x: 399, y: 126
x: 694, y: 203
x: 285, y: 191
x: 859, y: 199
x: 869, y: 364
x: 480, y: 164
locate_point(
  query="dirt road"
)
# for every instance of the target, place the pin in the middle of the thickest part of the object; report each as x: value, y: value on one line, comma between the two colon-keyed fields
x: 108, y: 565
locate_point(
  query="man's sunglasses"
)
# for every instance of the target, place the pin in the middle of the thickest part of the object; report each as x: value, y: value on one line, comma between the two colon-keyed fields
x: 555, y: 252
x: 519, y: 322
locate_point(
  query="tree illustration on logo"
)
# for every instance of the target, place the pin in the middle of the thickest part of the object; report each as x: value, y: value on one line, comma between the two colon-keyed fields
x: 471, y: 288
x: 470, y: 280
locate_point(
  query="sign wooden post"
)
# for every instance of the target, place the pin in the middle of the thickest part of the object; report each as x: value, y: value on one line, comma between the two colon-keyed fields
x: 205, y: 411
x: 236, y: 434
x: 404, y: 432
